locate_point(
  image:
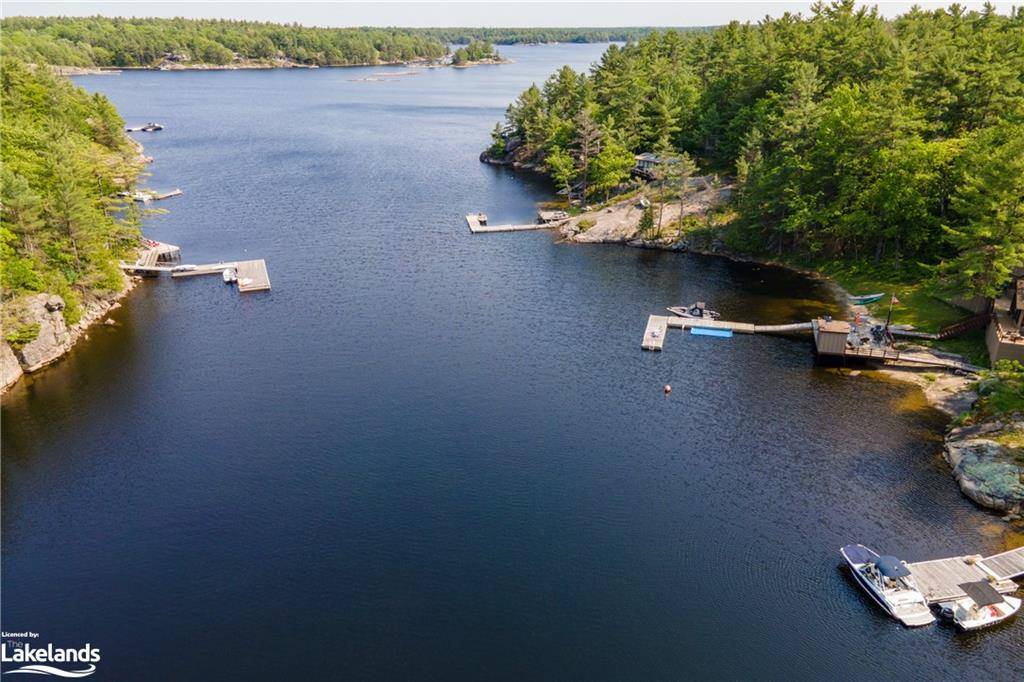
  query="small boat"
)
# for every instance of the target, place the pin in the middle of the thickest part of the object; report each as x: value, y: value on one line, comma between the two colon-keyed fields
x: 229, y: 275
x: 889, y: 582
x: 866, y: 298
x: 147, y: 128
x: 482, y: 217
x: 981, y: 608
x: 697, y: 310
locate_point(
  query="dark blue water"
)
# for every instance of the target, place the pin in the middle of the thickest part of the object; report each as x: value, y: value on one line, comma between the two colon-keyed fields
x: 431, y: 455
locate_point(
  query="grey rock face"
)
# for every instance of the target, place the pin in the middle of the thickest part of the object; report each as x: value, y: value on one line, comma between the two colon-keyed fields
x: 54, y: 337
x: 10, y: 368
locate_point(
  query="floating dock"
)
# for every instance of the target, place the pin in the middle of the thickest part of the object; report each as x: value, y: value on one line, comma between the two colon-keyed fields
x: 940, y: 579
x: 654, y: 335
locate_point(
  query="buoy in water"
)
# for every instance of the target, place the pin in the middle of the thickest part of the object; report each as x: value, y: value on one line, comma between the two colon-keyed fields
x: 667, y: 389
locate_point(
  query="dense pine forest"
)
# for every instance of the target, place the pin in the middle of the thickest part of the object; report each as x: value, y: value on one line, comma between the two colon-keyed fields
x: 101, y: 41
x: 850, y: 137
x: 62, y: 230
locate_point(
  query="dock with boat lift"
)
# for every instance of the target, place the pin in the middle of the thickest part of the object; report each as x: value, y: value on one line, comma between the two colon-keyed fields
x: 940, y: 579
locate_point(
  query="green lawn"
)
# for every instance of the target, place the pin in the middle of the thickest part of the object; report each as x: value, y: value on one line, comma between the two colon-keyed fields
x: 916, y: 306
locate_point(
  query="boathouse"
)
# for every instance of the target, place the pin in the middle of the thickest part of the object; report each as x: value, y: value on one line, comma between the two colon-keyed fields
x: 830, y: 336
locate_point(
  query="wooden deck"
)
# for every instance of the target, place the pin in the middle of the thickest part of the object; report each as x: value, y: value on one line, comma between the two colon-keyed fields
x: 939, y: 580
x: 252, y: 276
x: 893, y: 355
x: 475, y: 226
x: 155, y: 257
x: 1006, y: 565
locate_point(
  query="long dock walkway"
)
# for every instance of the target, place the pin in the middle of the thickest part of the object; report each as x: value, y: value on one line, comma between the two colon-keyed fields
x: 657, y: 326
x: 657, y: 323
x: 475, y: 226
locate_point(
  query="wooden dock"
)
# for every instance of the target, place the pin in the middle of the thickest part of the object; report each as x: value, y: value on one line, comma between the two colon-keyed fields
x: 157, y: 257
x: 475, y: 226
x: 939, y: 580
x: 829, y: 339
x: 659, y: 324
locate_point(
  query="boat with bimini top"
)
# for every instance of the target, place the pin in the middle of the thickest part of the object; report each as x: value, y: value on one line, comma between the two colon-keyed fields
x: 889, y: 582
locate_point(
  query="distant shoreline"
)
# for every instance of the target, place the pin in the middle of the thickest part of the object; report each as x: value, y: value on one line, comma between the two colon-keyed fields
x: 264, y: 66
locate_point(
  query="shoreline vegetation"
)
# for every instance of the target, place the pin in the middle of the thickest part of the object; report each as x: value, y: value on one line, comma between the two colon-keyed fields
x: 79, y: 46
x: 64, y: 224
x: 883, y: 155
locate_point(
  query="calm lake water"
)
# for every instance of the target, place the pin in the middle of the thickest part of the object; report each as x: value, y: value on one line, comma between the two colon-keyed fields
x: 431, y: 455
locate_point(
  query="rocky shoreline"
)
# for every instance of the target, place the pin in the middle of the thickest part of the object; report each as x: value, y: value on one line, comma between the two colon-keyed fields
x: 55, y: 337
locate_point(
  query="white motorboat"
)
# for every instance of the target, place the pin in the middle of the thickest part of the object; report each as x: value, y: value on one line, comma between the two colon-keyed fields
x: 698, y: 310
x: 981, y: 608
x: 889, y: 582
x: 229, y: 275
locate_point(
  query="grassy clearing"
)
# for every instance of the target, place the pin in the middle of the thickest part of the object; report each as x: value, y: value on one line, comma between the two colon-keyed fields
x: 917, y: 306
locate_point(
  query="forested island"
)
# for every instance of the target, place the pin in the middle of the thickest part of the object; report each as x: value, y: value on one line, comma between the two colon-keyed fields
x: 885, y: 151
x: 63, y: 226
x: 123, y: 42
x: 476, y: 52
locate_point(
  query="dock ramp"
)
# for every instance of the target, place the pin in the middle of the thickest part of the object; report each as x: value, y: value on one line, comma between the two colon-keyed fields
x: 1007, y: 565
